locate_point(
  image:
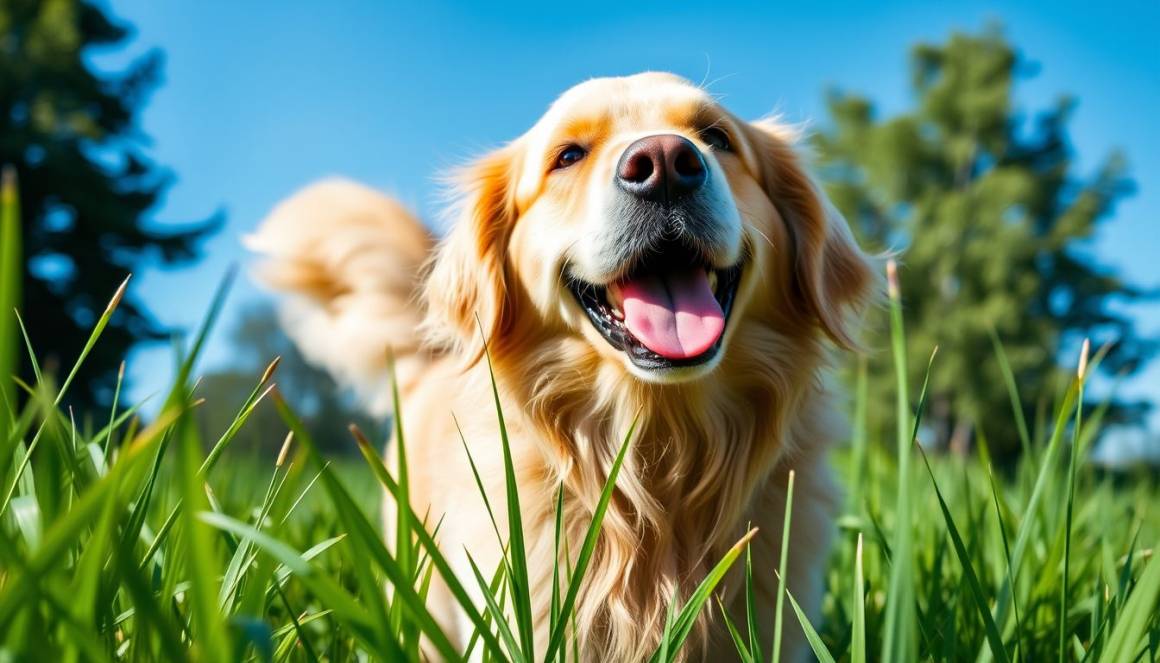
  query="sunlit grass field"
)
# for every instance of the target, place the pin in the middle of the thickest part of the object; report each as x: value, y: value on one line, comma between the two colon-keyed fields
x: 147, y: 539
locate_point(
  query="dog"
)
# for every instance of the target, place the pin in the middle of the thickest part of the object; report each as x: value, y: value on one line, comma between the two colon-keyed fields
x: 639, y: 254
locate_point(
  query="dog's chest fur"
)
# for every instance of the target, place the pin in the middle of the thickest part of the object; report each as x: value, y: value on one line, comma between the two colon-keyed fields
x: 706, y: 463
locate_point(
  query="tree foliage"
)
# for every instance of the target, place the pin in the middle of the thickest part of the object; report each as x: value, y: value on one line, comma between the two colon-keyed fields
x: 991, y: 222
x: 86, y: 184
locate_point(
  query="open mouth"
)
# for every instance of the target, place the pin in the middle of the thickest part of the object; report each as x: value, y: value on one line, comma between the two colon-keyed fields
x: 669, y: 311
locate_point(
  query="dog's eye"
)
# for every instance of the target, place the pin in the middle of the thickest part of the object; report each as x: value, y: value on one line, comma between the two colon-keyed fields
x: 717, y: 139
x: 568, y: 156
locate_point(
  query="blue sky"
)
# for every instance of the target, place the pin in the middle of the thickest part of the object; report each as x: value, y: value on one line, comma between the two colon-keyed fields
x: 260, y: 98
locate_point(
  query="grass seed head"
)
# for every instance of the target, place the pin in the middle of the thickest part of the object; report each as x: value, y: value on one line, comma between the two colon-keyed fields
x: 117, y: 296
x: 892, y: 279
x: 1081, y: 372
x: 285, y: 450
x: 269, y: 372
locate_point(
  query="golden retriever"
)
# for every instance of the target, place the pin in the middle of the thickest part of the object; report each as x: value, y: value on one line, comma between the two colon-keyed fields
x: 640, y: 251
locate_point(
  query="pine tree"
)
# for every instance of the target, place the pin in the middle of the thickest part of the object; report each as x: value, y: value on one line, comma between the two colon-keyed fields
x: 86, y: 185
x: 990, y: 219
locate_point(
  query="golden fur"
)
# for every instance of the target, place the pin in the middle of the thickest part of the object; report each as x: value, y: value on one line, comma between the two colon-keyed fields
x: 714, y: 447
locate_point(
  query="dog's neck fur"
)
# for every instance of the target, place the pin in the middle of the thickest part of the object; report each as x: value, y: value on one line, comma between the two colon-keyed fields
x: 684, y: 493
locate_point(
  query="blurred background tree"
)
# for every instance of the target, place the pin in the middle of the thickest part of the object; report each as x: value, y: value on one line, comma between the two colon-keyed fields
x: 86, y: 185
x: 990, y: 221
x: 325, y: 408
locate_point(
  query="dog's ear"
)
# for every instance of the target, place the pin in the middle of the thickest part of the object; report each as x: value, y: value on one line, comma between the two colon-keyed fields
x: 833, y: 278
x: 470, y: 275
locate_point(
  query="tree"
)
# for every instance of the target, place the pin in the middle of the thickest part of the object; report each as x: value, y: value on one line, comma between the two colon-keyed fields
x: 990, y: 220
x: 86, y: 186
x: 326, y: 409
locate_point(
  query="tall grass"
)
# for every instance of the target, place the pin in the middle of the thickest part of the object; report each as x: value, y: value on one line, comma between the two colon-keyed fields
x: 11, y: 274
x: 135, y: 542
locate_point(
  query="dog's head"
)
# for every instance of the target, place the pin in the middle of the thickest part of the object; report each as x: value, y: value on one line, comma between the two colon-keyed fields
x: 642, y: 215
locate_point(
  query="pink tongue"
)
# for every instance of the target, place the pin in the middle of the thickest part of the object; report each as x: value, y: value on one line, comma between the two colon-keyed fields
x: 675, y: 315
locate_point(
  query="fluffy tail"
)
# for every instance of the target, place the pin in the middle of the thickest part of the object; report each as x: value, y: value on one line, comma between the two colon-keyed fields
x: 351, y: 260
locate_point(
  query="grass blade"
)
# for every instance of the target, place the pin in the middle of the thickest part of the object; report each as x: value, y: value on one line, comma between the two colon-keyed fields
x: 751, y: 609
x: 1012, y: 392
x: 11, y: 279
x: 497, y: 615
x: 900, y: 642
x: 819, y: 648
x: 454, y: 585
x: 1071, y: 471
x: 687, y: 617
x: 577, y: 574
x: 214, y: 641
x: 858, y: 629
x: 1129, y: 634
x: 739, y: 643
x: 994, y: 639
x: 64, y: 534
x: 1027, y: 526
x: 518, y: 576
x: 336, y: 598
x: 775, y: 652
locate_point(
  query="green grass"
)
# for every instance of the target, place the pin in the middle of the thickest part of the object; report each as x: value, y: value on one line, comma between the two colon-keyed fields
x: 136, y: 542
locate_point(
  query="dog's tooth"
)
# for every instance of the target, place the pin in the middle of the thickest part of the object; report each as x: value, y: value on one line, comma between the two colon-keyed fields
x: 615, y: 300
x: 713, y: 280
x: 612, y: 294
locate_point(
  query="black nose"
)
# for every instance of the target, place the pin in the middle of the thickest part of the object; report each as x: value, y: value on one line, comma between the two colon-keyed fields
x: 661, y: 168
